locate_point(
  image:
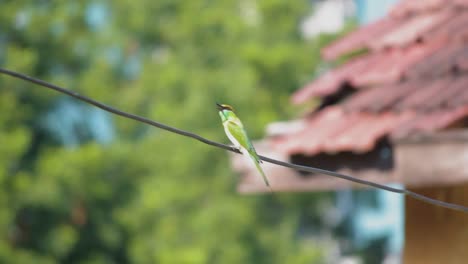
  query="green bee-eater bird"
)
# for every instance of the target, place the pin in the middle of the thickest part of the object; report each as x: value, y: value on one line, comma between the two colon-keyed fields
x: 236, y: 133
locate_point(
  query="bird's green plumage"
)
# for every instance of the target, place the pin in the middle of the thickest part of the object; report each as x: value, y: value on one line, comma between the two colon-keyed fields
x: 238, y: 136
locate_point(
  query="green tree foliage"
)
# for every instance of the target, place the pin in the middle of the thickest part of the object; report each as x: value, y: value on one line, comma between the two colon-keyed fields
x: 149, y: 196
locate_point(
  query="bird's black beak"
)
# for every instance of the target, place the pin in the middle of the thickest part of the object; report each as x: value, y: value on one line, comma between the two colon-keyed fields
x: 219, y: 107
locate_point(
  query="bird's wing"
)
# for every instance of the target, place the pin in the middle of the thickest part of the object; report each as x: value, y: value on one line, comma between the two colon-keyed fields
x: 237, y: 131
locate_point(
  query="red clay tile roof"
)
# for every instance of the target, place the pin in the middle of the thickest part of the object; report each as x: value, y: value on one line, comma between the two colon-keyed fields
x: 387, y: 66
x: 332, y: 130
x: 414, y: 79
x: 399, y: 30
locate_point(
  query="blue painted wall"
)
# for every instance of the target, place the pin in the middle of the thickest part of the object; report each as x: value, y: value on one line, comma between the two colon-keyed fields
x: 384, y: 216
x: 371, y: 10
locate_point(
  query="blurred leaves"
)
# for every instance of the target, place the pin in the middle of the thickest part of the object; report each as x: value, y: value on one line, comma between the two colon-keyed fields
x: 149, y: 196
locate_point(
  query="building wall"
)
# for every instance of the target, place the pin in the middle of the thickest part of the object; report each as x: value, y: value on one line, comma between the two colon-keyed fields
x: 370, y: 10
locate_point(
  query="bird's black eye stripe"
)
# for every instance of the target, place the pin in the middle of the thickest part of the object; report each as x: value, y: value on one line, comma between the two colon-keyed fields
x: 228, y: 107
x: 224, y: 107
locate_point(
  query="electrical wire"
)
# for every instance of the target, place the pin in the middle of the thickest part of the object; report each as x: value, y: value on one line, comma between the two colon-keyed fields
x: 230, y: 148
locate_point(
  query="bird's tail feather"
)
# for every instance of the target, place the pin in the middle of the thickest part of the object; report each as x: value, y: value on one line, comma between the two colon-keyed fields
x: 259, y: 168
